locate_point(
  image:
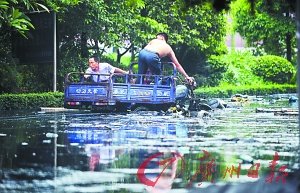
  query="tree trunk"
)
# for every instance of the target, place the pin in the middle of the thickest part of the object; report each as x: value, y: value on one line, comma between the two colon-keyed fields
x: 132, y: 54
x: 288, y: 47
x: 84, y: 49
x: 119, y: 55
x: 288, y: 43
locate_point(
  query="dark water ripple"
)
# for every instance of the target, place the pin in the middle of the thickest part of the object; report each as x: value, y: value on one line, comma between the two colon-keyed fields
x: 94, y: 152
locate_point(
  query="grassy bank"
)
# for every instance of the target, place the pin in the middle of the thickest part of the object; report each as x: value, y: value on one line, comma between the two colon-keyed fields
x: 257, y: 90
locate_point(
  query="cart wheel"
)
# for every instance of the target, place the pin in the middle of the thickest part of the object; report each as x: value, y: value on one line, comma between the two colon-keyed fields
x: 140, y: 109
x: 122, y: 107
x: 205, y: 107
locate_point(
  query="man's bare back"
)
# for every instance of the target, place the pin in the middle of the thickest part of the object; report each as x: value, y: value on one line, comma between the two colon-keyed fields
x: 160, y: 47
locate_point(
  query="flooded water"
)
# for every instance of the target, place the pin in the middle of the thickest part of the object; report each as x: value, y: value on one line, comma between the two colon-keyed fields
x: 79, y: 151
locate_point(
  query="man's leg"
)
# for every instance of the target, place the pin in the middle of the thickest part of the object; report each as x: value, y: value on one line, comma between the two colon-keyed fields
x: 142, y: 66
x: 155, y: 65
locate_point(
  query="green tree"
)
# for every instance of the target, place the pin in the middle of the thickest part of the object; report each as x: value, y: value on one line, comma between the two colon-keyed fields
x: 12, y: 14
x: 266, y: 25
x: 92, y: 27
x: 195, y: 33
x: 13, y: 18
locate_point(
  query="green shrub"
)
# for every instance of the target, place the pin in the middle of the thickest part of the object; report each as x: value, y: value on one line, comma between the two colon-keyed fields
x: 217, y: 66
x: 31, y: 100
x: 229, y: 90
x: 239, y: 71
x: 274, y: 69
x: 233, y: 68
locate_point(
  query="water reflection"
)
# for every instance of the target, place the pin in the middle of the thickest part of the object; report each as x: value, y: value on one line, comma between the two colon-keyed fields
x: 92, y: 152
x: 97, y: 143
x: 158, y: 171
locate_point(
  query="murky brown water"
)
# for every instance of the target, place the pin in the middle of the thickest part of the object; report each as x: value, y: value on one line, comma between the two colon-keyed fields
x: 92, y: 152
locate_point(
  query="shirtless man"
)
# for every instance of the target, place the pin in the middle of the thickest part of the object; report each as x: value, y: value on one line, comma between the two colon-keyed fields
x: 150, y: 56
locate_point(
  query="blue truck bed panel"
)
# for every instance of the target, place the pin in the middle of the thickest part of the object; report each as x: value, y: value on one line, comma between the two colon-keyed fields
x: 152, y: 94
x: 118, y: 89
x: 81, y: 92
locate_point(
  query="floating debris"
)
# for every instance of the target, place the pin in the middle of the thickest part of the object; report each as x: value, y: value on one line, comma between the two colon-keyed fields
x: 287, y: 113
x: 239, y: 98
x: 293, y: 99
x: 279, y: 111
x: 55, y: 109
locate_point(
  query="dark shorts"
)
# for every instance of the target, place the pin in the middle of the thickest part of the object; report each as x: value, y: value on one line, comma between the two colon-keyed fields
x: 149, y: 60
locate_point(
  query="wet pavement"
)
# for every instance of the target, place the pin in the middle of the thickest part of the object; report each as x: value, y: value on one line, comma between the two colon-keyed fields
x: 81, y: 151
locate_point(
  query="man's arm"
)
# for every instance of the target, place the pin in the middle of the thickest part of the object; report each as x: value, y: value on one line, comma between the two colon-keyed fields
x: 118, y: 70
x: 87, y: 71
x: 179, y: 67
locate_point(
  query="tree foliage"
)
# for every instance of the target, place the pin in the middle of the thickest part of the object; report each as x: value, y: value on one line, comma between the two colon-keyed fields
x: 93, y: 27
x: 12, y: 14
x: 266, y: 25
x: 13, y: 18
x: 234, y: 68
x: 197, y: 30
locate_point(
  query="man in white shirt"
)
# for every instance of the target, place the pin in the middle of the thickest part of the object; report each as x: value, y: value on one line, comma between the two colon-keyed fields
x: 95, y: 67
